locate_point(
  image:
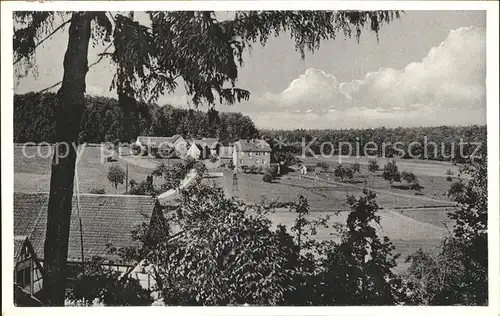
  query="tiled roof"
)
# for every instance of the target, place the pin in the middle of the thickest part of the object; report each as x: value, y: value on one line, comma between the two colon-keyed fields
x: 18, y: 246
x: 105, y: 219
x: 253, y: 145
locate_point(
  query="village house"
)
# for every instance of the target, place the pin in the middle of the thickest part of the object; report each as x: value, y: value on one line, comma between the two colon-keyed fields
x: 248, y: 153
x: 153, y: 144
x: 107, y: 220
x: 203, y: 148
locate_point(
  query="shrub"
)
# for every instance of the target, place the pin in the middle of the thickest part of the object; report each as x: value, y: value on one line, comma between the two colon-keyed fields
x: 143, y: 188
x: 97, y: 191
x: 213, y: 159
x: 409, y: 177
x: 391, y: 173
x: 136, y: 149
x: 323, y: 165
x: 268, y: 177
x: 343, y: 173
x: 355, y: 167
x: 373, y: 165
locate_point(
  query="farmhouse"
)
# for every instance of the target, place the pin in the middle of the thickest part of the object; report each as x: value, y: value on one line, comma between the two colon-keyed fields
x: 154, y: 143
x: 253, y: 152
x: 107, y: 220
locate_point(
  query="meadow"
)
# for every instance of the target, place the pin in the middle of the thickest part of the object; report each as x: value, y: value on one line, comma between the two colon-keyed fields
x: 32, y: 167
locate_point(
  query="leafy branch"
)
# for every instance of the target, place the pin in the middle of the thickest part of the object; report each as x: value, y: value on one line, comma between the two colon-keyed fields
x: 101, y: 56
x: 19, y: 58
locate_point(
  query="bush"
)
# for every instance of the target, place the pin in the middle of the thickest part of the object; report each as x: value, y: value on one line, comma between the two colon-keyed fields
x: 391, y: 173
x: 136, y: 149
x: 268, y: 177
x: 323, y: 165
x: 356, y: 167
x: 343, y: 173
x: 373, y: 165
x: 253, y: 169
x: 142, y: 188
x: 213, y: 159
x: 97, y: 191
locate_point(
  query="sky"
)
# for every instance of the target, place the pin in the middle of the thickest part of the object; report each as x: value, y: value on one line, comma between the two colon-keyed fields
x: 427, y: 69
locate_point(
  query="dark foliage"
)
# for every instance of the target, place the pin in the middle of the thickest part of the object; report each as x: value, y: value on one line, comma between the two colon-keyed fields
x: 34, y: 120
x: 447, y: 139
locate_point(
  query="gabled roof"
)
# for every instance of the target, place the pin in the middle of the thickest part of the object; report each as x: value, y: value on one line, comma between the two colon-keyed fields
x: 252, y: 145
x: 176, y: 137
x: 106, y: 219
x: 210, y: 143
x: 19, y: 242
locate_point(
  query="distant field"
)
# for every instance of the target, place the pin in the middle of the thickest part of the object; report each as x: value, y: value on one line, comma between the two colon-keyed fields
x: 419, y: 167
x: 433, y: 186
x: 407, y: 234
x: 321, y: 196
x: 32, y: 172
x: 409, y: 229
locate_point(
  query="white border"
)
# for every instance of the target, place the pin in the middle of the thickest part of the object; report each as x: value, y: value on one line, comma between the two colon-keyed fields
x: 493, y: 150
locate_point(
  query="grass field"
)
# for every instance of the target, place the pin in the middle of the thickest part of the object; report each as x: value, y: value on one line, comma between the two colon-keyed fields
x: 32, y: 171
x: 417, y: 166
x: 418, y: 224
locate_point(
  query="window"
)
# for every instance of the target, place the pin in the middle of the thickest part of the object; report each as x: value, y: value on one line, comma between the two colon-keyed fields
x: 23, y: 277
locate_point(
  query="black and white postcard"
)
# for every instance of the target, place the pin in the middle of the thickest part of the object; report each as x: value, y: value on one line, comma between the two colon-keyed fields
x: 250, y: 154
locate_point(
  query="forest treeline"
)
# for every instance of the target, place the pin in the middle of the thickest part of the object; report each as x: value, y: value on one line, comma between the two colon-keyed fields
x: 34, y: 121
x: 442, y: 142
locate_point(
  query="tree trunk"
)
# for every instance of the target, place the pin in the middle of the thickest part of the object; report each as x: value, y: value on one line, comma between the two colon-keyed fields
x: 71, y: 99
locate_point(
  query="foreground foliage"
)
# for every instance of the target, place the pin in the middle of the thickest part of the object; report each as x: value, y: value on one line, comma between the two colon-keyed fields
x: 458, y: 274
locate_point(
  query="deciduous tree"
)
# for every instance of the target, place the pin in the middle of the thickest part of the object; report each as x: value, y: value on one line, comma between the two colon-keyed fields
x: 391, y: 173
x: 116, y: 175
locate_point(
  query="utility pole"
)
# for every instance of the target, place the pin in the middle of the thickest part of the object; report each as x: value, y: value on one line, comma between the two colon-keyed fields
x: 126, y: 180
x: 235, y: 183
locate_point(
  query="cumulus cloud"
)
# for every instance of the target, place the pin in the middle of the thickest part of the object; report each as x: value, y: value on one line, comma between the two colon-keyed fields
x: 446, y: 87
x: 449, y: 81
